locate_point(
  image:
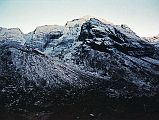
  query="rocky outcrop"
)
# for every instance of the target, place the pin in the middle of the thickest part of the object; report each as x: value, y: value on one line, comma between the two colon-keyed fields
x: 12, y: 34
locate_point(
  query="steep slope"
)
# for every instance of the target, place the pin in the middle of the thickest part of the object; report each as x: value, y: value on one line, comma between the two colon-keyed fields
x: 109, y: 51
x: 25, y: 73
x: 85, y: 59
x: 31, y: 80
x: 57, y: 41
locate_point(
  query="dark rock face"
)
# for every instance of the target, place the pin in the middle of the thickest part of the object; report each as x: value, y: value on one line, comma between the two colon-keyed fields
x: 93, y: 32
x: 103, y: 63
x: 115, y: 54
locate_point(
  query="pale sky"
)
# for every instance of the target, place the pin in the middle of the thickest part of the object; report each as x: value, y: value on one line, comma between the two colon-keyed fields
x: 142, y: 16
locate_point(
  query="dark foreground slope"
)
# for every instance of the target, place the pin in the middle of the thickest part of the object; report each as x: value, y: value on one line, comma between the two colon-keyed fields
x: 88, y: 70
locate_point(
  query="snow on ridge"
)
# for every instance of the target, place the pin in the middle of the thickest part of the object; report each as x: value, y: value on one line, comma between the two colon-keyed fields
x: 13, y: 34
x: 48, y: 28
x: 73, y: 27
x: 40, y: 31
x: 127, y: 31
x: 152, y: 39
x: 71, y: 30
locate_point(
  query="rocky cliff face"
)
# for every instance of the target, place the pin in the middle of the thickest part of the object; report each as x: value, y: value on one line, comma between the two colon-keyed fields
x: 68, y: 64
x: 112, y: 51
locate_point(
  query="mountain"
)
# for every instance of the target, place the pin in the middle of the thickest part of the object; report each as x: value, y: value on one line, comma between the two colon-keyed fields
x: 87, y: 59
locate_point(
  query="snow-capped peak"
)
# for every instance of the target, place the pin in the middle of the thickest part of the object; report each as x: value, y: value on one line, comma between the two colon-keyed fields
x: 83, y: 19
x: 48, y: 28
x: 41, y: 31
x: 73, y: 27
x: 88, y: 17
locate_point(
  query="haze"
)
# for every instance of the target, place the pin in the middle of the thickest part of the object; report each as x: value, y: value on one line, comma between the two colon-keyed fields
x: 140, y: 15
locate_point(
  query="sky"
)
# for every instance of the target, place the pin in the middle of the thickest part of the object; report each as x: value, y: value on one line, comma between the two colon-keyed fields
x: 140, y: 15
